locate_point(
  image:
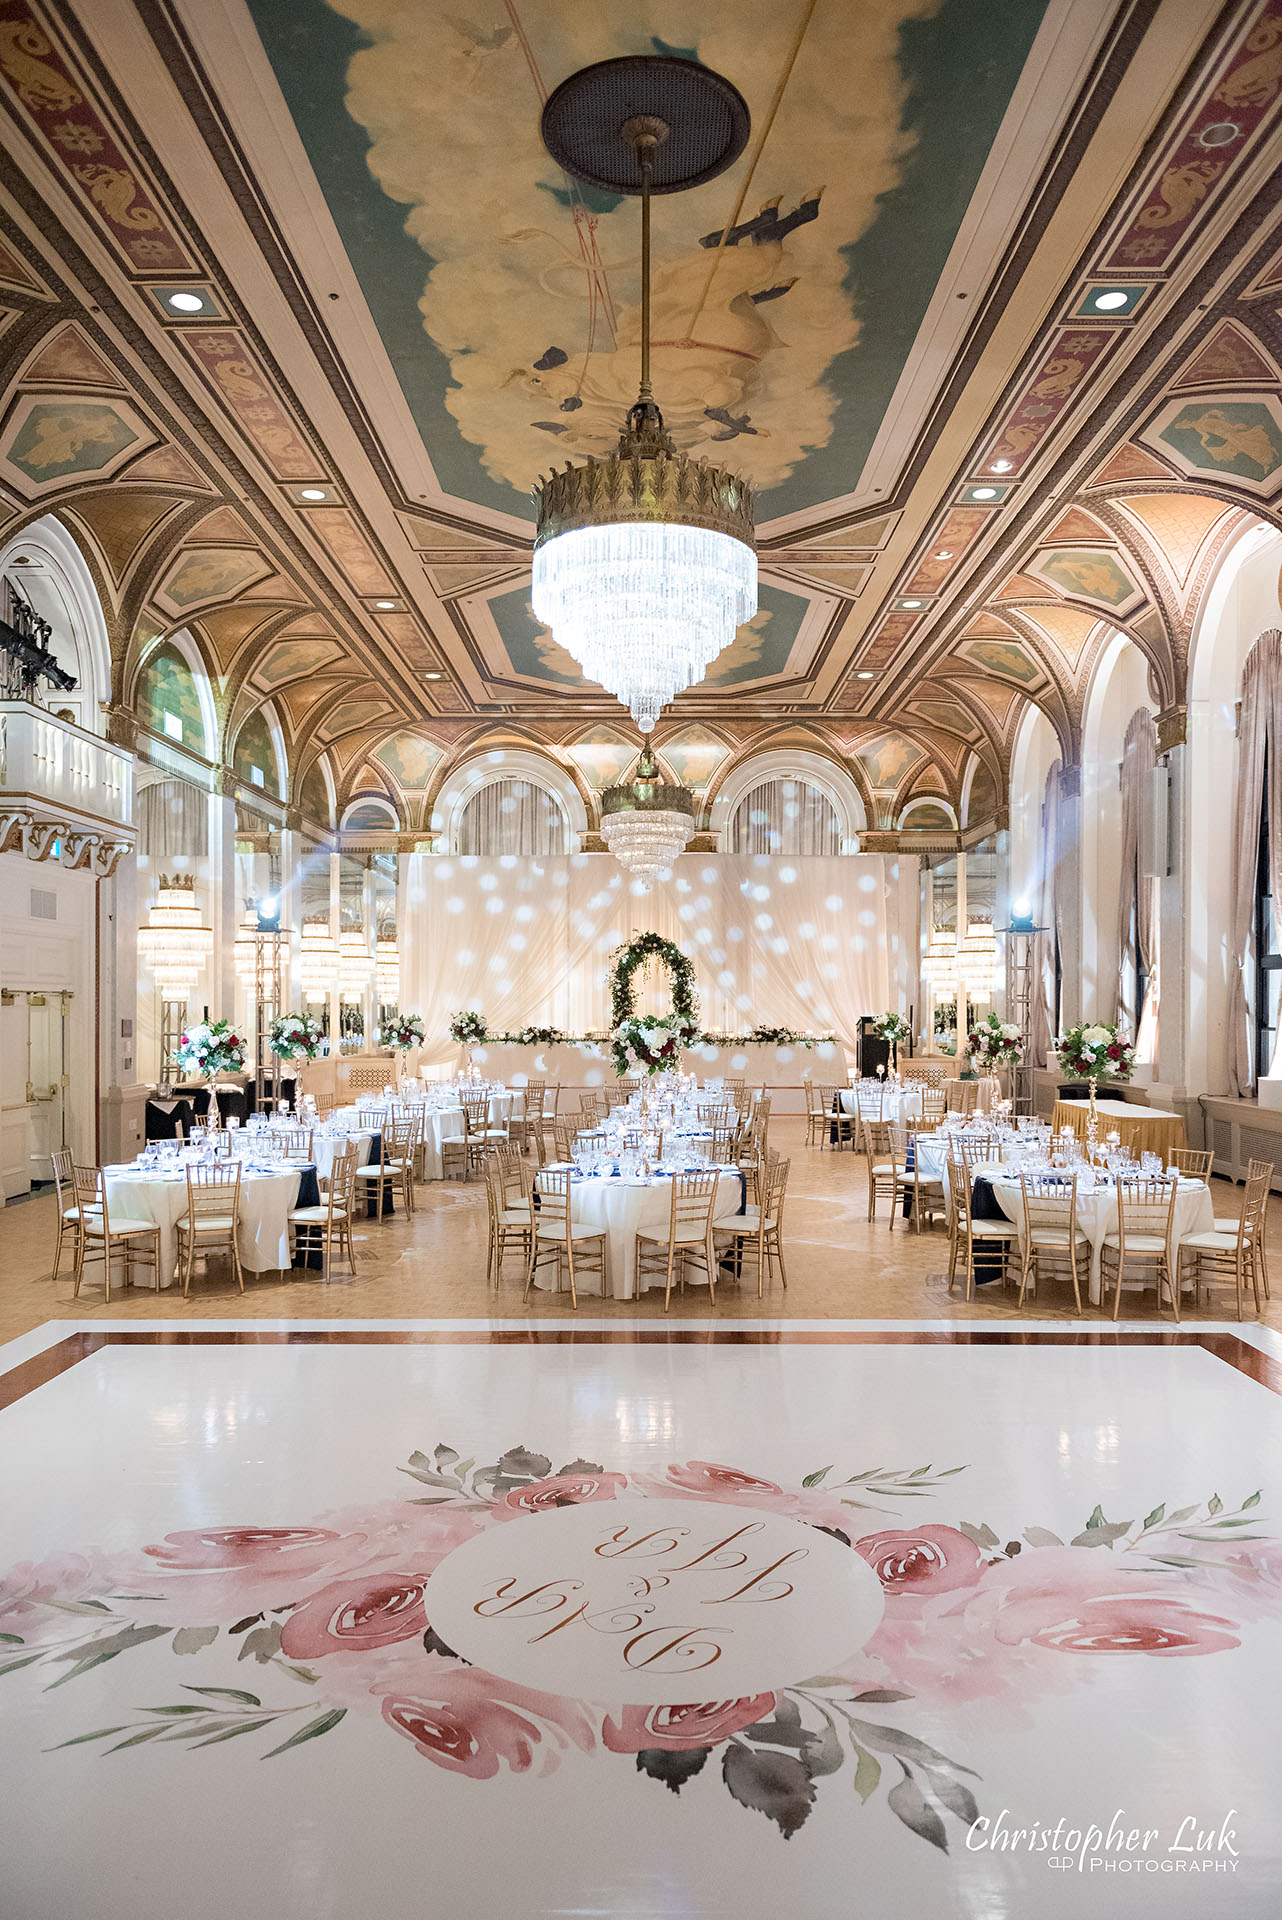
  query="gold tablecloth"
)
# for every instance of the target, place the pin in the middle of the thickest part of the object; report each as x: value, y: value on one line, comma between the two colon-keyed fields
x: 1142, y: 1129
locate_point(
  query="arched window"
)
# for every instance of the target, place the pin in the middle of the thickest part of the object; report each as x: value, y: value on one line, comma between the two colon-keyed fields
x: 513, y: 816
x: 167, y: 699
x: 784, y: 816
x: 254, y: 757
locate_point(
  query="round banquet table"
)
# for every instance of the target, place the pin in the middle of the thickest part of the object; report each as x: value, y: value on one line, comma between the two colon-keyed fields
x: 624, y: 1207
x: 265, y: 1202
x: 1097, y: 1215
x: 897, y: 1104
x: 326, y: 1145
x: 442, y: 1123
x: 1141, y: 1129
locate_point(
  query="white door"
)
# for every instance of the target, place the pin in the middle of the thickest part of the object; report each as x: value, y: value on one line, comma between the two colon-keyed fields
x: 15, y: 1129
x: 46, y: 1080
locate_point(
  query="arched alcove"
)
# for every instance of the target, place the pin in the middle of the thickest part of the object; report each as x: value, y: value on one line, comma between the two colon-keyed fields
x: 48, y: 569
x: 472, y: 776
x: 786, y: 764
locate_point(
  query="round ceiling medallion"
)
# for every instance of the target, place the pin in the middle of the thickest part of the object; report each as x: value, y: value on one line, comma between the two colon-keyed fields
x: 706, y: 118
x: 654, y: 1601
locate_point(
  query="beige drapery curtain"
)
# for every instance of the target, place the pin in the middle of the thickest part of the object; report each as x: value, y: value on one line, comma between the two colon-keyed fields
x: 1259, y: 748
x: 1139, y: 758
x: 1042, y: 1011
x: 512, y: 816
x: 794, y: 942
x: 172, y: 819
x: 785, y: 816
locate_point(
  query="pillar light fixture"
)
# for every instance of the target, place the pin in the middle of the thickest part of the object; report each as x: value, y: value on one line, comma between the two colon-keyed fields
x: 175, y: 943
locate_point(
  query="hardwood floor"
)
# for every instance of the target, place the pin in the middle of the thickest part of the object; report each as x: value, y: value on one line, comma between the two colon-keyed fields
x: 433, y: 1267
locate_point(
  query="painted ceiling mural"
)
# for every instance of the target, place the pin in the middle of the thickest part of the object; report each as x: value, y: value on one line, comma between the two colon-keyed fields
x: 1088, y: 487
x: 507, y: 294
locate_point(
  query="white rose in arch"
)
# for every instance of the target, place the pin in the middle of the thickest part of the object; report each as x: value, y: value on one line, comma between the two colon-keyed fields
x: 1097, y: 1037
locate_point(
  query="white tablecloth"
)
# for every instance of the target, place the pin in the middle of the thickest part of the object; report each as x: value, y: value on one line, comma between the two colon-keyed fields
x: 265, y: 1203
x: 624, y: 1208
x: 446, y: 1123
x: 1097, y: 1216
x: 325, y: 1146
x: 897, y: 1105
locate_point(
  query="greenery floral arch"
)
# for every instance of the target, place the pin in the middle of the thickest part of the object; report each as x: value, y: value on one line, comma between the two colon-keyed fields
x: 634, y: 954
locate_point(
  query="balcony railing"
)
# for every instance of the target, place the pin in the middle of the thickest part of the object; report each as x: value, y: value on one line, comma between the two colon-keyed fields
x: 58, y: 773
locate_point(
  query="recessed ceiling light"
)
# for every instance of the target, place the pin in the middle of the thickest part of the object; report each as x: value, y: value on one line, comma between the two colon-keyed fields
x: 186, y: 303
x: 1001, y: 466
x: 912, y: 603
x: 385, y: 606
x: 311, y: 493
x: 433, y: 676
x: 1110, y: 301
x: 945, y: 553
x: 865, y: 674
x: 983, y: 493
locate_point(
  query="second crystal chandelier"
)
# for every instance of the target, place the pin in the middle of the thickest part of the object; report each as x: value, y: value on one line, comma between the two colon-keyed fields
x: 645, y: 562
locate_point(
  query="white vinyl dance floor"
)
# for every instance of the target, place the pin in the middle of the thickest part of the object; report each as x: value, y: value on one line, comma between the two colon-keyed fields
x: 407, y: 1624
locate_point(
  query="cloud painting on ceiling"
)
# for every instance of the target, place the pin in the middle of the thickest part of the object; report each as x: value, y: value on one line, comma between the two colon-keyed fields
x: 507, y: 294
x: 694, y: 755
x: 760, y: 649
x: 410, y: 760
x: 602, y: 756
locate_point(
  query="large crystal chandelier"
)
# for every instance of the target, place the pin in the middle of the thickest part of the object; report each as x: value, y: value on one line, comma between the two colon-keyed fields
x: 646, y: 821
x: 317, y: 959
x: 644, y: 563
x: 175, y: 943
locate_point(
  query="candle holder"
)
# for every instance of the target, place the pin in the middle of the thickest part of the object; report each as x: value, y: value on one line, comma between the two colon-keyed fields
x: 1092, y: 1123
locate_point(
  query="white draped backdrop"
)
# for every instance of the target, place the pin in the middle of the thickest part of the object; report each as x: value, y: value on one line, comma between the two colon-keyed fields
x: 796, y: 942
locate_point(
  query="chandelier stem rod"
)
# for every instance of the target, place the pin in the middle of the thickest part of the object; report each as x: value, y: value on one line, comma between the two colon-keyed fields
x: 645, y: 156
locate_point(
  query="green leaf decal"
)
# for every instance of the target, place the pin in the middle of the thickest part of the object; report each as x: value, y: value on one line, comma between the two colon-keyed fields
x: 235, y: 1694
x: 312, y: 1731
x: 814, y: 1479
x: 867, y: 1772
x: 229, y: 1733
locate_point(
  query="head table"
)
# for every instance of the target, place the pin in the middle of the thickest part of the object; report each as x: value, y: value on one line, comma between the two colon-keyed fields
x: 1140, y: 1129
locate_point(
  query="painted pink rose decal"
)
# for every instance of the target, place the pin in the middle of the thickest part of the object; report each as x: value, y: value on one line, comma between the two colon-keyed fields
x: 352, y: 1616
x: 922, y: 1559
x: 328, y: 1617
x: 674, y: 1729
x: 564, y: 1490
x: 469, y: 1722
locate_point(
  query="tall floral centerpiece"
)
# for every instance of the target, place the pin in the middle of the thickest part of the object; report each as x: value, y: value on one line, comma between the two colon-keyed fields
x: 295, y: 1036
x: 468, y: 1028
x: 649, y: 1044
x: 894, y: 1028
x: 1096, y: 1052
x: 209, y: 1048
x: 404, y: 1032
x: 993, y: 1044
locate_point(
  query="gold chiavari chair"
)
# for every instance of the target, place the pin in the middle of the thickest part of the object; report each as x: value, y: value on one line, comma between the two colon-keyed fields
x: 689, y: 1236
x: 841, y: 1128
x: 1195, y: 1162
x: 482, y: 1132
x: 295, y: 1144
x: 759, y: 1229
x: 967, y: 1236
x: 961, y: 1096
x: 1220, y: 1258
x: 591, y: 1109
x: 885, y: 1166
x: 1051, y: 1233
x: 99, y: 1237
x: 1228, y: 1223
x: 714, y: 1113
x: 395, y: 1169
x: 564, y: 1133
x: 923, y: 1192
x: 211, y: 1221
x: 1142, y: 1241
x: 555, y: 1235
x: 68, y: 1206
x: 816, y: 1118
x: 525, y: 1126
x: 723, y: 1145
x: 933, y: 1105
x: 734, y: 1084
x: 509, y: 1219
x: 330, y: 1223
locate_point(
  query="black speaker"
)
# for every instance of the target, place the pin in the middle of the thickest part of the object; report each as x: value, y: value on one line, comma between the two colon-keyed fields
x: 873, y: 1052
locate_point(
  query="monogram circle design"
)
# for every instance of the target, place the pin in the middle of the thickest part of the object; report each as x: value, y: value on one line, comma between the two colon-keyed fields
x: 654, y: 1601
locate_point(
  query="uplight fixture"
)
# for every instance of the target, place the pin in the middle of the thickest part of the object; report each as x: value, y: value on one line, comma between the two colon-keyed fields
x: 645, y: 561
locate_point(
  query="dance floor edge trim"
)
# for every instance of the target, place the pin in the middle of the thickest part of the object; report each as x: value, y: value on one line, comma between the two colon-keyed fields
x: 41, y: 1368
